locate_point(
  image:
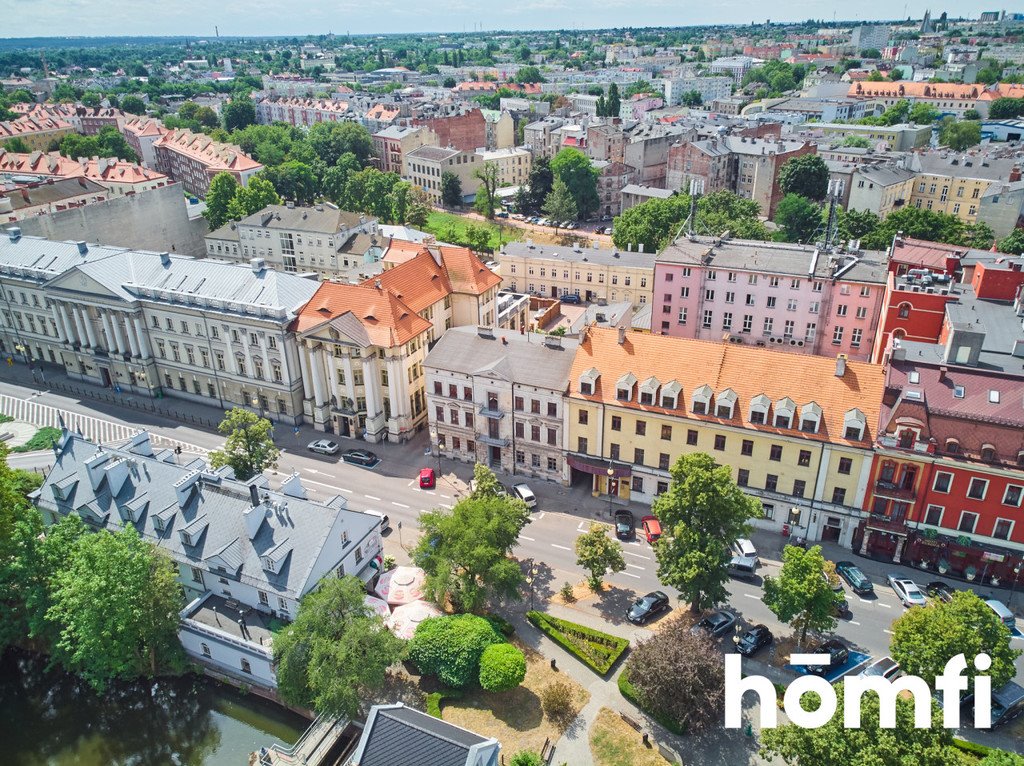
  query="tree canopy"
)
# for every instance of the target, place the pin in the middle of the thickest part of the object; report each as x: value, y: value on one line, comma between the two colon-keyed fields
x: 701, y: 514
x: 219, y: 197
x: 239, y: 112
x: 451, y: 189
x: 575, y: 169
x: 959, y: 135
x: 806, y: 175
x: 331, y: 140
x: 802, y: 594
x: 249, y: 445
x: 598, y: 553
x: 560, y: 205
x: 450, y: 647
x: 798, y: 218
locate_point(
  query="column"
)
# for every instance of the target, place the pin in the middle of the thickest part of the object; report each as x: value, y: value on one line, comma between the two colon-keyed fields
x: 864, y: 542
x: 79, y: 326
x: 370, y: 384
x: 142, y: 338
x: 122, y: 344
x: 108, y: 333
x: 285, y: 363
x: 266, y: 358
x: 350, y: 384
x: 304, y: 371
x: 230, y: 357
x: 90, y: 331
x: 898, y: 556
x: 65, y: 321
x: 318, y: 383
x: 133, y: 343
x: 250, y: 371
x: 399, y: 406
x: 332, y: 378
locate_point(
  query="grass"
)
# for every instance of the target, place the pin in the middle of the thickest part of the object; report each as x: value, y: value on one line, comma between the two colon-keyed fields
x: 613, y: 742
x: 44, y: 438
x: 5, y: 418
x: 449, y: 227
x: 515, y: 718
x: 595, y: 649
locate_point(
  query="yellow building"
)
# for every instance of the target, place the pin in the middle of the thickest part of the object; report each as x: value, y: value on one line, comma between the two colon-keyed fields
x: 954, y: 184
x: 37, y: 131
x: 513, y: 164
x: 796, y: 430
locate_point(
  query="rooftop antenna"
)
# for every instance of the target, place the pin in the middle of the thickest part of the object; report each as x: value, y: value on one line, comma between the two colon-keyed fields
x: 835, y: 191
x: 696, y: 189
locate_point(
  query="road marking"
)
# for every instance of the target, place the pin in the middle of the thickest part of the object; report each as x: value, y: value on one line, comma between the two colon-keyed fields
x: 751, y: 595
x: 637, y: 555
x: 630, y: 574
x: 885, y: 606
x: 579, y: 527
x: 371, y: 497
x: 443, y: 505
x: 342, y: 489
x: 400, y: 505
x: 854, y: 622
x: 447, y: 497
x: 634, y: 566
x: 863, y: 600
x: 540, y: 515
x: 311, y: 470
x: 560, y: 547
x: 524, y: 537
x: 886, y: 630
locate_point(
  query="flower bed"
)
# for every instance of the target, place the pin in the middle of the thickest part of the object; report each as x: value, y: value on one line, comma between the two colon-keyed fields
x: 597, y: 650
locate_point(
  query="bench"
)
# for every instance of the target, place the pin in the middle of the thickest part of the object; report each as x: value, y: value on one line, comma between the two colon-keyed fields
x: 635, y: 724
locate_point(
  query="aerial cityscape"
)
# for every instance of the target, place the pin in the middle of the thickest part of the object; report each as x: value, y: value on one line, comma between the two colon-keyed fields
x: 461, y: 385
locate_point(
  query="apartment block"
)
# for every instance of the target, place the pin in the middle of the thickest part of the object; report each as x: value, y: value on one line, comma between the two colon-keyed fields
x: 142, y: 133
x: 193, y: 160
x: 424, y: 167
x: 466, y: 131
x: 709, y: 88
x: 758, y: 162
x: 954, y: 184
x: 393, y: 143
x: 513, y: 164
x: 118, y: 177
x: 37, y: 132
x: 708, y: 162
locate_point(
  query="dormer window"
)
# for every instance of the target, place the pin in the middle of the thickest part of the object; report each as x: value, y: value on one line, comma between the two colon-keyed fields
x: 158, y: 523
x: 670, y: 394
x: 952, y: 446
x: 988, y: 453
x: 186, y: 538
x: 586, y: 388
x: 624, y: 387
x: 268, y: 563
x: 588, y: 381
x: 649, y: 391
x: 725, y: 404
x: 810, y: 418
x: 785, y: 409
x: 759, y: 406
x: 702, y: 400
x: 854, y: 425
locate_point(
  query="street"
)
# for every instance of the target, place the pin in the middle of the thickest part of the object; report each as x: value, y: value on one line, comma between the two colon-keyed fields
x: 547, y: 542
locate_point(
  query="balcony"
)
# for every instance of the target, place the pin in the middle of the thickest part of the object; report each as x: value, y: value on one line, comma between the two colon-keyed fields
x: 887, y: 524
x: 888, y: 489
x: 891, y: 442
x: 492, y: 441
x: 488, y: 412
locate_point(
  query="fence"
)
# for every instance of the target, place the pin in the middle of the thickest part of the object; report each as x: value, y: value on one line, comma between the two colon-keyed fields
x: 141, y: 404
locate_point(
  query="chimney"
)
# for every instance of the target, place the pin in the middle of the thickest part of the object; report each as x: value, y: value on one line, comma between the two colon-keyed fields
x: 1014, y: 174
x: 622, y: 336
x: 82, y: 247
x: 840, y: 365
x: 14, y: 233
x: 942, y: 373
x: 165, y: 258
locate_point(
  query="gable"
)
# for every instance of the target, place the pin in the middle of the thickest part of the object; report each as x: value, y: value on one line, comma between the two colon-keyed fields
x: 75, y: 281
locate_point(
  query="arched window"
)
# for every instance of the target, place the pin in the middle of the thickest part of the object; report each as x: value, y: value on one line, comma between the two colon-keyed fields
x: 903, y: 310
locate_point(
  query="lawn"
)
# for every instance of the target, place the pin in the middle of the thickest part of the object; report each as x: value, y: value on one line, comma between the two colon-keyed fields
x: 613, y: 742
x: 515, y: 718
x: 44, y: 438
x: 448, y: 227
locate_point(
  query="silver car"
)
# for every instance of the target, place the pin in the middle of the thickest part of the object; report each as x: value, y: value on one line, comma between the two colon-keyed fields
x: 324, y: 447
x: 907, y: 591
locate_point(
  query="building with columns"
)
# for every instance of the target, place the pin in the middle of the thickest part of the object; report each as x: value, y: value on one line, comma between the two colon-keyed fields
x: 154, y: 324
x: 361, y: 347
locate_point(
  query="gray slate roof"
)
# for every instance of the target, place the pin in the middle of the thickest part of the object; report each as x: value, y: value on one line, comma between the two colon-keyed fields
x: 433, y: 153
x: 212, y: 512
x: 590, y: 255
x: 522, y: 359
x: 325, y: 218
x: 402, y: 736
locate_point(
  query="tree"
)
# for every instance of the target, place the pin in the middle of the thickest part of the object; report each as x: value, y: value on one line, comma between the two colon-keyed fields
x: 1006, y: 108
x: 923, y: 113
x: 920, y: 223
x: 133, y: 105
x: 239, y: 112
x: 971, y: 114
x: 806, y: 175
x: 222, y: 191
x: 959, y: 135
x: 802, y: 595
x: 248, y: 447
x: 723, y: 211
x: 451, y: 189
x: 701, y: 514
x: 856, y: 224
x: 293, y: 180
x: 923, y: 639
x: 331, y: 140
x: 692, y: 98
x: 465, y: 550
x: 614, y: 102
x: 449, y: 82
x: 486, y: 201
x: 680, y: 676
x: 871, y: 53
x: 399, y: 199
x: 835, y: 745
x: 485, y: 483
x: 1001, y: 758
x: 798, y: 217
x: 419, y: 209
x: 502, y: 668
x: 540, y: 184
x: 858, y: 142
x: 252, y: 198
x: 335, y: 179
x: 16, y: 145
x: 529, y: 74
x: 576, y: 170
x: 206, y: 117
x: 450, y: 648
x: 336, y: 650
x: 560, y: 205
x: 526, y: 758
x: 1013, y: 243
x: 117, y: 602
x: 598, y: 553
x: 91, y: 98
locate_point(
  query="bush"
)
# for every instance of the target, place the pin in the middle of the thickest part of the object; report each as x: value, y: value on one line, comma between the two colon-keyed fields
x: 388, y: 563
x: 627, y: 690
x: 502, y: 667
x: 557, y: 700
x: 568, y: 595
x: 44, y: 438
x: 526, y: 758
x: 500, y: 624
x: 595, y: 649
x: 450, y: 648
x: 434, y: 700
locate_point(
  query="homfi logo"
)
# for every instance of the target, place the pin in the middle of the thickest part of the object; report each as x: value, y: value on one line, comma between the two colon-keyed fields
x: 951, y: 684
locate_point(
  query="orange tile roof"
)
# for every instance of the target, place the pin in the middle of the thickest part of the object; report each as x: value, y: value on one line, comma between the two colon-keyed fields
x: 1003, y: 90
x: 466, y: 272
x: 419, y: 282
x: 388, y: 321
x: 747, y: 370
x: 27, y: 125
x: 144, y: 126
x: 214, y: 155
x: 55, y: 165
x: 906, y: 89
x: 401, y: 250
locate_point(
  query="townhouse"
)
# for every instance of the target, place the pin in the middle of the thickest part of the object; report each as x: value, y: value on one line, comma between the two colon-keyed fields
x: 25, y: 200
x: 513, y: 164
x: 37, y: 131
x: 796, y: 431
x: 901, y: 138
x: 758, y: 162
x: 879, y: 189
x: 245, y: 554
x: 118, y: 177
x: 424, y: 167
x: 708, y: 162
x: 769, y: 294
x: 954, y: 183
x: 590, y: 274
x: 155, y: 324
x: 302, y: 112
x: 394, y: 142
x: 142, y: 133
x: 193, y: 160
x: 362, y: 347
x: 497, y: 398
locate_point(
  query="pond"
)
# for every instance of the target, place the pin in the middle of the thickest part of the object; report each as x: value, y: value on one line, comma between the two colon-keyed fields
x: 54, y: 719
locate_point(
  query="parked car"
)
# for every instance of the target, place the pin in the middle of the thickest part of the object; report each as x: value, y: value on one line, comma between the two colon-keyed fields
x: 651, y: 527
x: 360, y: 457
x: 428, y: 480
x: 843, y: 606
x: 1002, y: 612
x: 838, y: 655
x: 624, y: 529
x: 1007, y: 703
x: 754, y: 640
x: 571, y: 298
x: 651, y: 605
x: 907, y: 591
x: 938, y: 589
x: 385, y: 522
x: 885, y: 667
x: 323, y: 446
x: 606, y: 218
x: 502, y: 214
x: 524, y: 493
x: 715, y: 625
x: 744, y: 547
x: 743, y: 567
x: 599, y: 230
x: 501, y: 490
x: 856, y: 579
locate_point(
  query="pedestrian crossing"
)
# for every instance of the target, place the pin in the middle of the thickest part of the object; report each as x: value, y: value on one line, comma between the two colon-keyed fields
x: 95, y: 429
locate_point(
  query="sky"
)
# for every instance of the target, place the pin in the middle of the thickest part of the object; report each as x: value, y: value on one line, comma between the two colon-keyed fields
x: 45, y: 18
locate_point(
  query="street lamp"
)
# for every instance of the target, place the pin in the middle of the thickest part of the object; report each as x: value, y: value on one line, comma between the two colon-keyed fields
x: 257, y: 403
x: 1013, y: 585
x: 611, y: 473
x: 530, y: 579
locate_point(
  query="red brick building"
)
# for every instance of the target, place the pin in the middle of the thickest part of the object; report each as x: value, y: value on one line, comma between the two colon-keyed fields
x: 466, y: 132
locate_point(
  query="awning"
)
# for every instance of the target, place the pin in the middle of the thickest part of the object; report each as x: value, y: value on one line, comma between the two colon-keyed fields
x: 599, y: 467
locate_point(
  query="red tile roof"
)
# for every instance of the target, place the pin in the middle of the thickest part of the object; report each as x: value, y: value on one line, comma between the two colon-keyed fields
x: 388, y: 321
x: 54, y: 165
x: 214, y: 155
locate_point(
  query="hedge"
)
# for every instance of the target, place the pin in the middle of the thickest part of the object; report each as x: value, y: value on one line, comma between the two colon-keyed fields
x: 627, y: 690
x: 434, y: 700
x: 500, y: 624
x: 972, y: 747
x: 597, y: 650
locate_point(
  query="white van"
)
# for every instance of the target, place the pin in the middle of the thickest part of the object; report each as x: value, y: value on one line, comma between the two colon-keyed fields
x: 1002, y: 612
x: 385, y: 522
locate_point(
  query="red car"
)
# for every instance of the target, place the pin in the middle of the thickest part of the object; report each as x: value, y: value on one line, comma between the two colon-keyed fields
x: 651, y: 527
x: 427, y: 478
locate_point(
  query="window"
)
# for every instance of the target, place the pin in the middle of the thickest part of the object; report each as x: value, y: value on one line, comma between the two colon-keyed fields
x: 805, y: 457
x: 682, y: 316
x: 933, y: 516
x: 666, y: 433
x: 943, y: 481
x: 719, y: 442
x: 197, y: 575
x: 552, y: 464
x: 743, y: 477
x: 771, y: 482
x: 837, y: 335
x: 613, y: 451
x: 855, y: 337
x: 581, y: 444
x: 552, y: 409
x: 535, y: 433
x: 520, y: 430
x: 977, y: 488
x: 1002, y: 529
x: 748, y: 323
x: 771, y: 301
x: 246, y: 667
x: 903, y: 311
x: 535, y: 406
x: 968, y: 521
x: 1012, y: 495
x: 637, y: 484
x: 727, y: 320
x: 584, y: 417
x: 638, y: 456
x: 845, y: 465
x: 841, y: 310
x: 799, y: 487
x: 691, y: 436
x: 518, y: 403
x: 264, y: 598
x: 747, y: 447
x: 641, y: 428
x: 775, y: 452
x: 663, y: 460
x: 838, y: 495
x: 586, y: 388
x: 782, y: 420
x: 708, y: 318
x: 616, y: 423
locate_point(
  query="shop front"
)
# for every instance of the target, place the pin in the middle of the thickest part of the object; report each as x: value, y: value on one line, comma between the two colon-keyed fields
x: 606, y: 478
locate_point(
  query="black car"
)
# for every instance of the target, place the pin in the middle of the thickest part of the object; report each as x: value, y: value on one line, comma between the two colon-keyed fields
x: 838, y: 655
x: 856, y: 579
x: 361, y: 457
x: 624, y: 529
x: 938, y: 589
x: 645, y: 608
x: 754, y: 640
x: 715, y: 625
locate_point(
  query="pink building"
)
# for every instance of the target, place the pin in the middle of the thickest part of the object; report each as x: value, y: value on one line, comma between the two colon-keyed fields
x: 769, y: 294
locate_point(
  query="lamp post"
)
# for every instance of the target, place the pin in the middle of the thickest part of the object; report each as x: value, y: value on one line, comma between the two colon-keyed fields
x: 611, y: 473
x: 257, y: 404
x: 435, y: 443
x: 1013, y: 585
x: 530, y: 579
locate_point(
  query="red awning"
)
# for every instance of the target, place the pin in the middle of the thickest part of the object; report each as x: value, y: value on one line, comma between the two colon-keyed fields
x: 599, y: 467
